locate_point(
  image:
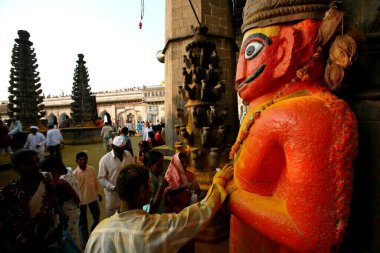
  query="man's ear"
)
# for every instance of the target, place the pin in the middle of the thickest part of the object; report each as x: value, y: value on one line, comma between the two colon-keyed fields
x: 285, y: 51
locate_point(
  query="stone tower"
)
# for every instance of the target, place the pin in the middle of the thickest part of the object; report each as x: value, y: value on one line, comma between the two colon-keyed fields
x: 25, y: 99
x: 83, y: 109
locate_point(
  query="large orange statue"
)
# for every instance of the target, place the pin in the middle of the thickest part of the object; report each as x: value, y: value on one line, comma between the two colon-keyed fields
x: 293, y: 155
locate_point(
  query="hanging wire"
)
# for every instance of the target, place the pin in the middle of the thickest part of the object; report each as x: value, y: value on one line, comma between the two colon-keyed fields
x: 192, y: 7
x: 142, y: 14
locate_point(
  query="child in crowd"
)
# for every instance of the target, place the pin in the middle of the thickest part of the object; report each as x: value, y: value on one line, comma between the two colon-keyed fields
x: 88, y: 184
x: 154, y: 160
x: 143, y: 148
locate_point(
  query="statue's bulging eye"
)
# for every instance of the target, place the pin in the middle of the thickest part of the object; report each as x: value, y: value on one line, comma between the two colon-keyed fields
x: 253, y: 49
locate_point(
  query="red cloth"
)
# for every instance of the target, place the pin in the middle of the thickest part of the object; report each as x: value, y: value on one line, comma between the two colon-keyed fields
x: 159, y: 140
x: 178, y: 193
x: 176, y: 176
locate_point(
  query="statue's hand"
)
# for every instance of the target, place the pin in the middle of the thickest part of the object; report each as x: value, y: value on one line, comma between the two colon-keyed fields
x: 224, y: 175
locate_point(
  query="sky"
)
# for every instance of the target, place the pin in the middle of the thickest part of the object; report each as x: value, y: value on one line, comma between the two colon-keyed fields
x: 117, y: 53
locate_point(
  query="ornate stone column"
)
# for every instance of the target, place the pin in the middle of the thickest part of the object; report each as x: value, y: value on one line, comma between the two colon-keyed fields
x: 200, y: 100
x: 180, y: 21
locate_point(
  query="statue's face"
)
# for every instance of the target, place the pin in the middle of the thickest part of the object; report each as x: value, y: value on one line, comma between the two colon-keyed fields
x: 257, y: 62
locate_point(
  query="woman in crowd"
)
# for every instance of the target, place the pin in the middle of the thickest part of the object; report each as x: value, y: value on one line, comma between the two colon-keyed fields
x: 181, y: 183
x: 158, y: 136
x: 68, y: 192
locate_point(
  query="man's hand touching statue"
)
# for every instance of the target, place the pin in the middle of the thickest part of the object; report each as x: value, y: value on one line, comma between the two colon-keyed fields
x: 224, y: 175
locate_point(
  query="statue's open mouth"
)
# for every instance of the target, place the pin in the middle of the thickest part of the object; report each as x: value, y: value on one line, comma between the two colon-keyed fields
x: 252, y: 77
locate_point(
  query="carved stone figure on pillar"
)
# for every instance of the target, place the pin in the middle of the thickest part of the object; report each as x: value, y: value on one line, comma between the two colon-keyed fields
x: 294, y: 151
x: 202, y: 90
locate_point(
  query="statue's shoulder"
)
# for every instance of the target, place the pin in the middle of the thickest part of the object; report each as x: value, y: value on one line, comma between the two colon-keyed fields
x: 320, y: 100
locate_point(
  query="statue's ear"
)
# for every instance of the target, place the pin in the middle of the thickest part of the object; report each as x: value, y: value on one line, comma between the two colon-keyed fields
x: 285, y: 51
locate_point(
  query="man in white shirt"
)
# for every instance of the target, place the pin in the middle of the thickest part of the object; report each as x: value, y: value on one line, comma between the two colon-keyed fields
x: 53, y: 141
x: 146, y: 130
x: 109, y: 167
x: 133, y: 230
x: 36, y: 142
x: 106, y: 135
x: 131, y: 129
x: 16, y: 127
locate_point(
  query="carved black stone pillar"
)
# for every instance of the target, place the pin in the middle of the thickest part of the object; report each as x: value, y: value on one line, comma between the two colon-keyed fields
x: 203, y: 129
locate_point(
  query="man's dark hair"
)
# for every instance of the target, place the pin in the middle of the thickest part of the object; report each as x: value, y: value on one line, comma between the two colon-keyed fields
x: 151, y: 157
x: 50, y: 126
x: 130, y: 179
x: 80, y: 155
x: 124, y: 130
x: 20, y: 155
x: 182, y: 155
x: 144, y: 145
x: 151, y: 134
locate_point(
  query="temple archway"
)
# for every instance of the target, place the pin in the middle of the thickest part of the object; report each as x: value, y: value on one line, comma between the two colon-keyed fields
x: 120, y: 119
x: 106, y: 117
x: 62, y: 117
x: 52, y: 119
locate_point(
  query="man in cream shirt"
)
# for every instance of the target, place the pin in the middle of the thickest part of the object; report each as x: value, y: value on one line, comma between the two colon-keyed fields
x: 133, y: 230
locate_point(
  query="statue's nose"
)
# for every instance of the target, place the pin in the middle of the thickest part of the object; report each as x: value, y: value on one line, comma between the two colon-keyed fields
x: 240, y: 72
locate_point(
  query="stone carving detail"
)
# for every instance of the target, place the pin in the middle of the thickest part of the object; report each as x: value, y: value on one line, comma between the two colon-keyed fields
x: 202, y: 126
x: 26, y: 98
x: 83, y: 109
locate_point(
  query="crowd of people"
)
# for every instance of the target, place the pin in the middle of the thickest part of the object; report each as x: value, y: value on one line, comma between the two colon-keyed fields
x: 45, y: 208
x: 35, y: 140
x: 153, y: 134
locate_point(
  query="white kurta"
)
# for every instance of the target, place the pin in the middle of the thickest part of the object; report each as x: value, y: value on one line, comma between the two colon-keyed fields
x: 109, y: 168
x: 36, y: 139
